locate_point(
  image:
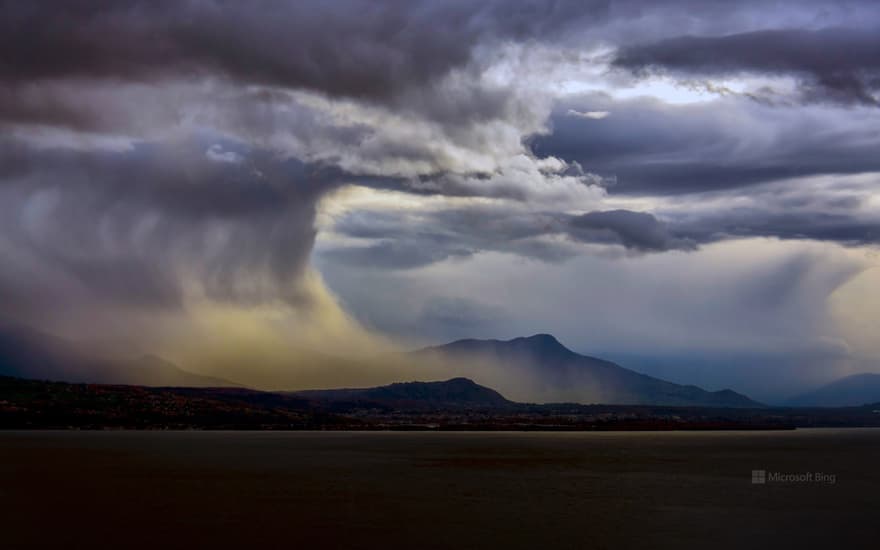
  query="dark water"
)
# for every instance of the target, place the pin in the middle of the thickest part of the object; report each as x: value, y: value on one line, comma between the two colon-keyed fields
x: 438, y: 490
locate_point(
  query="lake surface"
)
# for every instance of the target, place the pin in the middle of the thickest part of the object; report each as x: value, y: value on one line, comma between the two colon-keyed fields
x: 440, y: 490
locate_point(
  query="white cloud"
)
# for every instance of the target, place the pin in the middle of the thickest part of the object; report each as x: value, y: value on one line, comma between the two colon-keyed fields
x: 217, y: 154
x: 595, y: 115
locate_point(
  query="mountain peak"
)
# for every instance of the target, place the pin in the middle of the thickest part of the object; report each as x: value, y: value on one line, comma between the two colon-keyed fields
x: 541, y: 339
x: 562, y: 374
x: 543, y: 344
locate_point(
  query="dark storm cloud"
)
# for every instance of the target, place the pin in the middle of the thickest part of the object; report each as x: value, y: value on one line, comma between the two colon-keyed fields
x: 827, y: 208
x: 172, y: 208
x: 754, y: 222
x: 351, y: 48
x: 831, y: 209
x: 218, y: 160
x: 397, y: 241
x: 634, y: 230
x: 179, y: 179
x: 20, y: 105
x: 840, y: 65
x: 136, y: 227
x: 652, y: 148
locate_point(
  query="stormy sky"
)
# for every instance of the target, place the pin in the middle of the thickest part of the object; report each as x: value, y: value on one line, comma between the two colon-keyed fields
x: 690, y: 187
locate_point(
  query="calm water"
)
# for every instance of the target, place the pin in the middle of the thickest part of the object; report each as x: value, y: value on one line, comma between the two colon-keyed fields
x: 439, y: 490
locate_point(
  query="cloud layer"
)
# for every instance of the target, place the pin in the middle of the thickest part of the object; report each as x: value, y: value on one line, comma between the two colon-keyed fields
x: 837, y: 65
x: 178, y: 168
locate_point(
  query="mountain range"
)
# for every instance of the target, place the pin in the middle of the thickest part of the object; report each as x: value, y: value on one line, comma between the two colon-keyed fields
x: 455, y: 404
x: 850, y: 391
x: 449, y: 394
x: 539, y: 367
x: 553, y: 370
x: 29, y: 353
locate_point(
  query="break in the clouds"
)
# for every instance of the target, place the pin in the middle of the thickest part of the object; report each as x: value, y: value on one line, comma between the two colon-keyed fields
x: 838, y: 65
x: 172, y: 169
